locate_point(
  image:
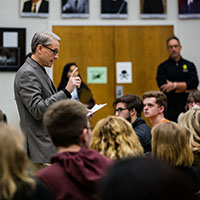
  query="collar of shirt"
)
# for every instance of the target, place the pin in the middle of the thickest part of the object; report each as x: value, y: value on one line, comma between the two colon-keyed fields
x: 43, y: 69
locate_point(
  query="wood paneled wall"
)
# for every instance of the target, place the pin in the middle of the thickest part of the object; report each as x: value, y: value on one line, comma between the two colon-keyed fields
x: 144, y: 46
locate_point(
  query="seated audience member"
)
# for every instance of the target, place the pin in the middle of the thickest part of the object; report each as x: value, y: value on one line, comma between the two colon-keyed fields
x: 190, y: 121
x: 75, y: 171
x: 193, y: 100
x: 144, y: 178
x: 14, y: 182
x: 170, y: 144
x: 130, y: 108
x: 115, y: 138
x: 83, y: 93
x: 155, y: 105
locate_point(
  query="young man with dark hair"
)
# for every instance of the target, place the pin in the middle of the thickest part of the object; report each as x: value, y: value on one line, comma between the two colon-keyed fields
x: 75, y: 171
x: 155, y: 105
x: 176, y: 77
x: 130, y: 108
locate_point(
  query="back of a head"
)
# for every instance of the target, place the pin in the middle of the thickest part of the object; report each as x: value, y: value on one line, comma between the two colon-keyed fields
x: 190, y: 121
x: 170, y: 144
x: 115, y: 138
x: 65, y: 121
x: 144, y: 178
x: 161, y: 98
x: 131, y: 101
x: 13, y: 160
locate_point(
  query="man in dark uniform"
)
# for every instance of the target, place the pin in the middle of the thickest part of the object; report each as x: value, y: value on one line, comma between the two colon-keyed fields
x: 176, y: 77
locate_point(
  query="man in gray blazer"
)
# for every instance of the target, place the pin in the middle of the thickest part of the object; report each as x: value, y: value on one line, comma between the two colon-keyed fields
x: 34, y: 92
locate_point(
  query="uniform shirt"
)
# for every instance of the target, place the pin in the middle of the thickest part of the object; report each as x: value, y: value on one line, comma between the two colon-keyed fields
x: 182, y: 71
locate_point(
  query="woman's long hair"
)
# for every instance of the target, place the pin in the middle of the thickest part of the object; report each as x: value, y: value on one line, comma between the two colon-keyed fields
x: 64, y: 78
x: 13, y: 162
x: 191, y: 122
x: 170, y: 144
x: 115, y: 138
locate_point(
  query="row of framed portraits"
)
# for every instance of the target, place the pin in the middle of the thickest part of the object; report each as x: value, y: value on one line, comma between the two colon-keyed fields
x: 110, y: 8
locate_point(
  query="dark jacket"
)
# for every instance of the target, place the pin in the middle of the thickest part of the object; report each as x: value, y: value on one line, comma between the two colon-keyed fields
x: 143, y: 132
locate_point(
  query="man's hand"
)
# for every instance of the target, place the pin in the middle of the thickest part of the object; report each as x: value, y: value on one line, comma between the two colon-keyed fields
x: 168, y: 87
x: 74, y: 81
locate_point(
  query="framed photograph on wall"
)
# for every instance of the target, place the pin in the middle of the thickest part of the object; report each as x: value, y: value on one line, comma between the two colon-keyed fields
x: 114, y: 8
x: 34, y: 8
x: 12, y: 48
x: 75, y: 8
x: 152, y: 9
x: 188, y: 9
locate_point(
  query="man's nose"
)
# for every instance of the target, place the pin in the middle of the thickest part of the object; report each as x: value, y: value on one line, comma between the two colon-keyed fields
x: 116, y: 113
x: 56, y: 56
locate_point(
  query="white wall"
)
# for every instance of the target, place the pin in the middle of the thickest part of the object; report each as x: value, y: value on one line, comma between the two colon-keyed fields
x: 187, y: 30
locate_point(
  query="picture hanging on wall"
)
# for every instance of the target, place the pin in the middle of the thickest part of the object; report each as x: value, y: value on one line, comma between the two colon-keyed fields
x: 188, y: 9
x: 114, y: 9
x: 34, y: 8
x: 12, y: 48
x: 75, y: 8
x: 152, y: 9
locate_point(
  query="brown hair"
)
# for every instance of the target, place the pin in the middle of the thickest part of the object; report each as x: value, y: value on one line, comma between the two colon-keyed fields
x: 65, y: 121
x: 173, y: 38
x: 161, y: 98
x: 131, y: 101
x: 170, y: 144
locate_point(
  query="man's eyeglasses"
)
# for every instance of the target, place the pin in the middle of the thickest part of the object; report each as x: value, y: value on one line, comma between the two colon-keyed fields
x: 119, y: 110
x: 54, y: 51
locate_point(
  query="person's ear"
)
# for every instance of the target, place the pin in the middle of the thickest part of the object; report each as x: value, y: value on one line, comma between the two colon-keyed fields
x: 133, y: 112
x: 161, y: 109
x: 39, y: 48
x: 83, y: 137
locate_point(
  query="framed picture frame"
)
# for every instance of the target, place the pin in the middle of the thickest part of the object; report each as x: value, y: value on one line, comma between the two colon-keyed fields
x: 188, y: 9
x: 114, y: 9
x: 75, y: 8
x: 153, y: 9
x: 34, y: 8
x: 12, y: 48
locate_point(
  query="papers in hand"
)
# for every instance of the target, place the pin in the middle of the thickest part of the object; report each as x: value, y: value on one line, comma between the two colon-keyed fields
x: 95, y: 108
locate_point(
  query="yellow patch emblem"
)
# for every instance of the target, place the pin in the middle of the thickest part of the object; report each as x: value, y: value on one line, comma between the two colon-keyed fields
x: 185, y: 68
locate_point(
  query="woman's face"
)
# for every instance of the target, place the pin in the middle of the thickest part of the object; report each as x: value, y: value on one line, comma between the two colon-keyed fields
x: 69, y: 73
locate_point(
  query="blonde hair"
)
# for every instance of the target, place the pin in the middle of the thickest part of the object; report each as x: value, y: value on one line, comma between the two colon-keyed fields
x: 190, y: 121
x: 170, y: 144
x: 115, y: 138
x: 13, y: 161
